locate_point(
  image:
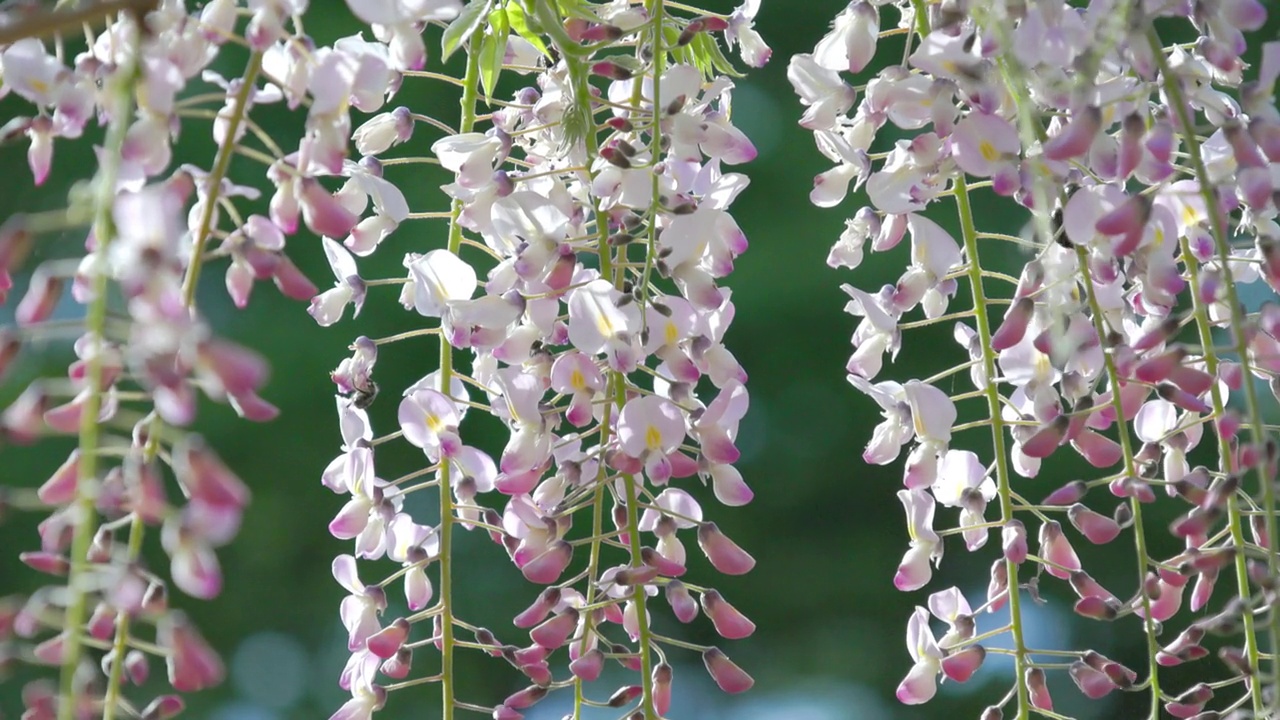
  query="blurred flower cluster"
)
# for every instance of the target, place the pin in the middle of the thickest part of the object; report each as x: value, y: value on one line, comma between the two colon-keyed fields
x: 1146, y: 171
x: 144, y: 353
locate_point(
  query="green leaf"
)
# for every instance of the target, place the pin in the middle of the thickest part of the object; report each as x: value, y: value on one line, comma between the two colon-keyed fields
x: 520, y: 23
x: 721, y: 64
x: 471, y: 17
x: 493, y: 50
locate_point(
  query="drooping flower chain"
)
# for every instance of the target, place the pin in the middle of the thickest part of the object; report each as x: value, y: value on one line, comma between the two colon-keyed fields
x: 571, y: 215
x: 1153, y: 198
x: 133, y: 390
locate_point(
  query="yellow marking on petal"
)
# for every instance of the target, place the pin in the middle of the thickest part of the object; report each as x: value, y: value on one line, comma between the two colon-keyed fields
x: 433, y: 422
x: 604, y: 326
x: 672, y: 334
x: 1190, y: 216
x: 40, y: 86
x: 652, y: 438
x: 577, y: 380
x: 989, y: 152
x: 1044, y: 368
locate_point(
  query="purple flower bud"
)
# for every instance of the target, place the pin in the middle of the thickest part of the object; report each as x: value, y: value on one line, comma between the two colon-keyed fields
x: 1046, y: 439
x: 554, y: 632
x: 1093, y: 683
x: 961, y: 666
x: 526, y: 697
x: 397, y: 666
x: 588, y: 666
x: 1067, y: 494
x: 60, y: 488
x: 1235, y: 658
x: 192, y: 664
x: 1190, y: 702
x: 322, y: 212
x: 163, y: 708
x: 1097, y: 528
x: 660, y: 564
x: 661, y: 677
x: 137, y: 667
x: 503, y: 712
x: 724, y: 554
x: 1014, y: 541
x: 1097, y: 608
x: 1086, y: 586
x: 1184, y: 648
x: 730, y: 623
x: 682, y: 603
x: 387, y: 641
x: 42, y: 297
x: 1055, y: 548
x: 547, y: 600
x: 1014, y: 326
x: 550, y: 565
x: 729, y: 677
x: 625, y: 696
x: 1039, y: 689
x: 1076, y: 138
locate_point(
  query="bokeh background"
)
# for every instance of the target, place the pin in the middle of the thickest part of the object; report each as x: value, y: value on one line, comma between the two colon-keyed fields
x: 826, y: 529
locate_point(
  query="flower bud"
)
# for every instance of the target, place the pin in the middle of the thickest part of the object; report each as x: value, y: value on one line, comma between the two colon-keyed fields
x: 1039, y: 688
x: 1067, y: 494
x: 1092, y: 682
x: 555, y: 632
x: 724, y: 554
x: 526, y: 697
x: 961, y: 666
x: 163, y: 708
x: 682, y: 603
x: 1014, y: 541
x: 588, y: 666
x: 730, y: 623
x: 728, y: 677
x: 550, y: 565
x: 1097, y: 529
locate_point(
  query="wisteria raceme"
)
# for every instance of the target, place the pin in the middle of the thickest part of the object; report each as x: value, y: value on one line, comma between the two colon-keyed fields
x: 1146, y: 172
x: 577, y: 298
x: 146, y: 354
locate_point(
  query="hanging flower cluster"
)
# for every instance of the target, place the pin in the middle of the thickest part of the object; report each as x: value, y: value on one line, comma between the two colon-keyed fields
x: 576, y: 297
x: 1149, y: 175
x: 144, y: 353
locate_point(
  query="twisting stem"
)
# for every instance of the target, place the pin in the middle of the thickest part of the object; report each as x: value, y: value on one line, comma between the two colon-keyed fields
x: 83, y: 513
x: 1236, y: 326
x: 470, y: 91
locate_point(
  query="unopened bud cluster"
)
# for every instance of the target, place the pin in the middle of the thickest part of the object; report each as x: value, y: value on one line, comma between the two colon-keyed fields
x: 1147, y: 177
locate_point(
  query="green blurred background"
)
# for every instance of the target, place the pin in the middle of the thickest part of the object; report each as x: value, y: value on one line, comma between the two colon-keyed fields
x: 826, y: 530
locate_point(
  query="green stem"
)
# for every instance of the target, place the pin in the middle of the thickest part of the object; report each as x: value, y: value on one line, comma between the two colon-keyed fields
x: 470, y: 93
x: 213, y: 187
x: 1131, y: 470
x: 1235, y: 520
x: 1003, y: 479
x: 992, y: 392
x: 84, y: 515
x: 1236, y: 326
